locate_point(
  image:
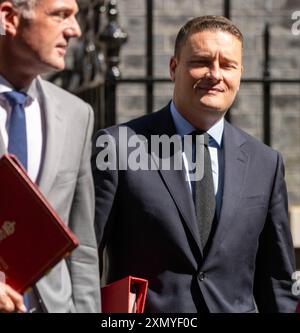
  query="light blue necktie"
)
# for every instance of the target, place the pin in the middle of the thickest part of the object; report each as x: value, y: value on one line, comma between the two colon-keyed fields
x: 17, y: 138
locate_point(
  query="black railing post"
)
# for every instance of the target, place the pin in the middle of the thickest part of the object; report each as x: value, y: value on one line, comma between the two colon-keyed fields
x: 84, y: 74
x: 149, y: 56
x: 227, y: 13
x: 110, y: 96
x: 267, y: 88
x: 227, y: 8
x: 114, y: 37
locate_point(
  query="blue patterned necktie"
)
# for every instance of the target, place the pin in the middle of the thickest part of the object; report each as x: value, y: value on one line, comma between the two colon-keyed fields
x: 17, y: 138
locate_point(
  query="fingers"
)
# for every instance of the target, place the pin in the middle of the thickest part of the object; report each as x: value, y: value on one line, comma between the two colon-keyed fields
x: 10, y: 300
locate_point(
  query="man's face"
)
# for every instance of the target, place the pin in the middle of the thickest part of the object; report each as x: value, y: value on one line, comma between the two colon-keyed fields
x: 42, y: 40
x: 206, y: 75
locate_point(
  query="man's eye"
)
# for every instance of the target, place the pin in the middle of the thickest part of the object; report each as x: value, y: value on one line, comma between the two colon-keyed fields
x: 200, y: 63
x: 229, y: 66
x: 60, y: 15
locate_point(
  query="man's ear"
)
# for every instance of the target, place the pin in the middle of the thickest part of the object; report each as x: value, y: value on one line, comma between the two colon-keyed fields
x: 9, y: 18
x: 172, y: 67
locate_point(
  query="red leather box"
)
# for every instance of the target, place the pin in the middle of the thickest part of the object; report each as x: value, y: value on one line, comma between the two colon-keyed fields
x: 116, y: 296
x: 32, y: 236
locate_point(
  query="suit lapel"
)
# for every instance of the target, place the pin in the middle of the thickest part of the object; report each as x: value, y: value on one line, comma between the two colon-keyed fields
x: 53, y: 139
x: 236, y: 160
x: 180, y: 192
x: 174, y: 180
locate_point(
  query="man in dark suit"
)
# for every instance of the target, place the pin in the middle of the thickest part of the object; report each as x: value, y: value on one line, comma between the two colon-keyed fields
x: 227, y: 252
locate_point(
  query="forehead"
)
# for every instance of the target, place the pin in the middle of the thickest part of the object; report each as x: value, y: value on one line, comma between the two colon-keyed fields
x: 213, y: 41
x: 56, y: 4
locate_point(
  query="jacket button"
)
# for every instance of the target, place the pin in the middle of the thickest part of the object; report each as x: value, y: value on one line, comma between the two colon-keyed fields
x: 201, y: 276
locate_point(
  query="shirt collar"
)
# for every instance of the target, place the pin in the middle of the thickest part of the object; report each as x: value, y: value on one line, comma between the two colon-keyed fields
x: 5, y: 86
x: 183, y: 127
x: 31, y: 90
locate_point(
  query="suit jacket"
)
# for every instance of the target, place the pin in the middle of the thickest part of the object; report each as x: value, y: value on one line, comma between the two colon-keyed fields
x: 146, y: 220
x: 65, y: 179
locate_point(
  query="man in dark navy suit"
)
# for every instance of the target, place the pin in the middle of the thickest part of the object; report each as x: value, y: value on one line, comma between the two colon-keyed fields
x: 219, y: 245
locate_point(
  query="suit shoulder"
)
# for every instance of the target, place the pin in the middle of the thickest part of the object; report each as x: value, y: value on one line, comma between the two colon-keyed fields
x: 64, y: 96
x: 143, y: 121
x: 71, y: 106
x: 138, y: 125
x: 254, y: 144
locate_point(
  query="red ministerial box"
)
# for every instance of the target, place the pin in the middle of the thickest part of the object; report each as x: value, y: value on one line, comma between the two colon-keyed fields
x: 116, y: 296
x: 32, y: 236
x: 298, y: 308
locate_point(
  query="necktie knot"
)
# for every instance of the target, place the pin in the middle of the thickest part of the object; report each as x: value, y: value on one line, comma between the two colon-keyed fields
x: 17, y: 136
x: 15, y: 98
x: 205, y: 137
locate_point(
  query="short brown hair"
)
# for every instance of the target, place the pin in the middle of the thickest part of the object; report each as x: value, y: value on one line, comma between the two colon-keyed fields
x: 202, y: 23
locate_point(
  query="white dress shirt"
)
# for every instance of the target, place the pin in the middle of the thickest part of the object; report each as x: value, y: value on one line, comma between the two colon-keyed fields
x: 183, y: 127
x: 34, y: 129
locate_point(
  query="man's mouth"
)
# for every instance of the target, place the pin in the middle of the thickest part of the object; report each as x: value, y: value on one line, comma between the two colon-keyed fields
x: 62, y: 48
x: 209, y: 90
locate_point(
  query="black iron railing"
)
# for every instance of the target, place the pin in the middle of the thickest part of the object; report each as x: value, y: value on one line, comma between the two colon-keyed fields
x: 266, y: 80
x: 92, y: 67
x: 94, y: 72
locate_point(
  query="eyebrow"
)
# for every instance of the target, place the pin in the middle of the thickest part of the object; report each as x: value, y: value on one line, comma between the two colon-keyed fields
x: 201, y: 57
x: 63, y: 9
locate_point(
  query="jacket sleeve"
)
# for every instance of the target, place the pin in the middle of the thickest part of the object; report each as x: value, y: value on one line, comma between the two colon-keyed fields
x: 275, y: 262
x: 105, y: 175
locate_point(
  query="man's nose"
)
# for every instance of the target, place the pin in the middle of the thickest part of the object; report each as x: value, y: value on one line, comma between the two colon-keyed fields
x: 214, y: 72
x: 73, y: 28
